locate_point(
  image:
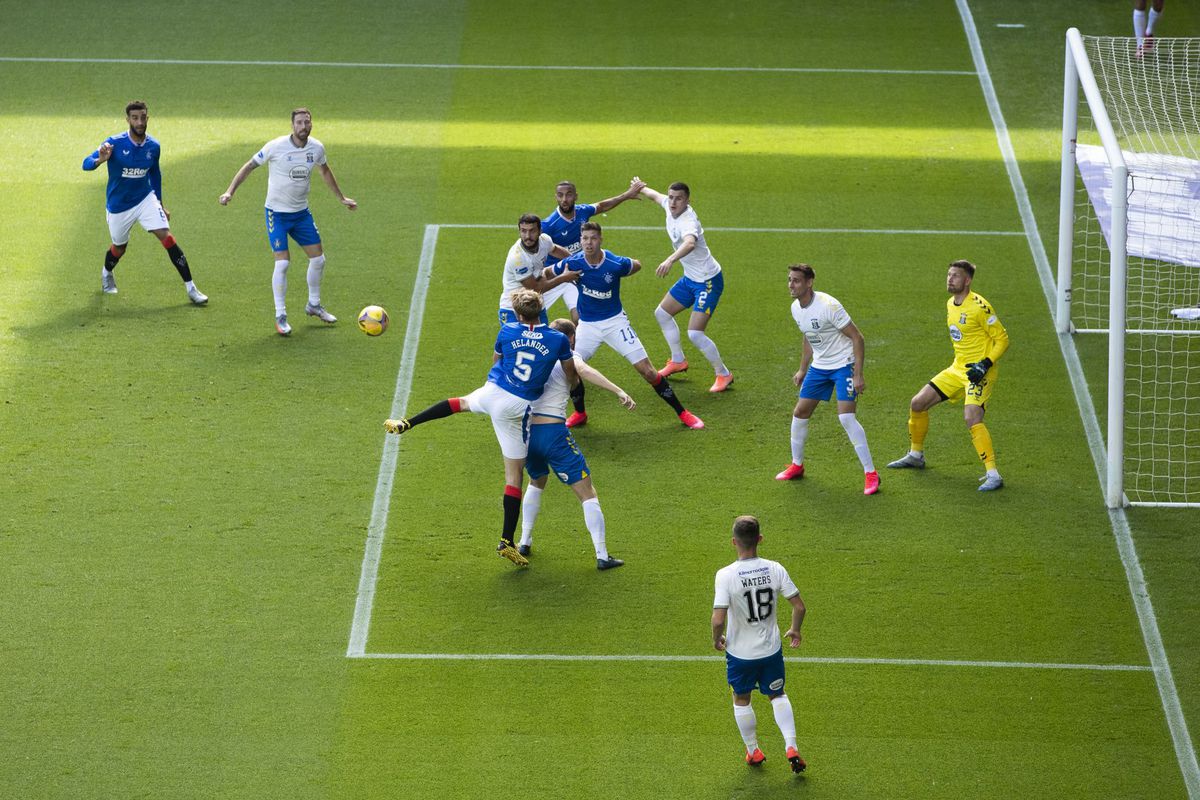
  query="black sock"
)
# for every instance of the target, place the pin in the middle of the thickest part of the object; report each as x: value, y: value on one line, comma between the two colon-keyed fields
x: 512, y: 509
x: 577, y: 397
x: 435, y: 411
x: 180, y: 262
x: 110, y: 259
x: 663, y: 387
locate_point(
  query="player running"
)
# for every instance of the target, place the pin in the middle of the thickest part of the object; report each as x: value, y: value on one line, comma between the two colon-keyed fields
x: 979, y: 340
x: 553, y: 448
x: 700, y: 287
x: 290, y: 162
x: 525, y: 354
x: 834, y: 352
x: 134, y: 194
x: 525, y: 267
x: 602, y: 319
x: 748, y: 593
x: 563, y: 225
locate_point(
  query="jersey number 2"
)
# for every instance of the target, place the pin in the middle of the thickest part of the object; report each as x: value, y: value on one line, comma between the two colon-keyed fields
x: 761, y: 604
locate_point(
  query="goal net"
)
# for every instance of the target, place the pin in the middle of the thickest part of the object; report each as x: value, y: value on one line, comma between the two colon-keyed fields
x: 1129, y: 252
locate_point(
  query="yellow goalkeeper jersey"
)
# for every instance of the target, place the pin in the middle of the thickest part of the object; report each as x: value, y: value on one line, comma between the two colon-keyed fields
x: 975, y: 330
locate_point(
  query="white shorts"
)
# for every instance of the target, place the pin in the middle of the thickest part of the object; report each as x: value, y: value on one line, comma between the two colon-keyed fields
x: 149, y: 213
x: 615, y: 331
x: 569, y: 293
x: 508, y: 413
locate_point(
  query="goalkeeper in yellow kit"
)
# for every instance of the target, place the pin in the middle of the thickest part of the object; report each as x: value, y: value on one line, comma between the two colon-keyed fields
x: 979, y: 340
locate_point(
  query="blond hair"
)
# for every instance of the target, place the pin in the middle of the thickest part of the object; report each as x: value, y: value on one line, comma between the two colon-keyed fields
x: 527, y: 304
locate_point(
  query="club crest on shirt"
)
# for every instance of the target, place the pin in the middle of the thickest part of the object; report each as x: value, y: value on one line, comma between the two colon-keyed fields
x: 608, y: 277
x: 962, y: 319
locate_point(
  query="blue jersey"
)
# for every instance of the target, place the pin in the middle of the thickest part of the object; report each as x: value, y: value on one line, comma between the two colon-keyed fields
x: 567, y: 233
x: 599, y: 286
x: 133, y: 171
x: 528, y: 354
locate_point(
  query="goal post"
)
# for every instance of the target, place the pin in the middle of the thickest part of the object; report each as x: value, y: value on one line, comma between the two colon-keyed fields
x: 1129, y: 253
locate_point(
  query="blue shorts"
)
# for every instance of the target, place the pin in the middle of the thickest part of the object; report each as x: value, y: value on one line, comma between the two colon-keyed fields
x: 297, y: 224
x: 820, y: 383
x: 745, y: 674
x: 701, y: 296
x: 552, y: 447
x: 507, y: 315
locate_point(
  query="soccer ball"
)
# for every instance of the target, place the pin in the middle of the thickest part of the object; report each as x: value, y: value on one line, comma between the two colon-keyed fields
x: 373, y: 320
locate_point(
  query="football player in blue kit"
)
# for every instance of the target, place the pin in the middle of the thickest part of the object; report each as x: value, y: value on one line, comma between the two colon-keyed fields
x: 602, y: 319
x: 525, y: 354
x: 134, y: 194
x: 564, y: 226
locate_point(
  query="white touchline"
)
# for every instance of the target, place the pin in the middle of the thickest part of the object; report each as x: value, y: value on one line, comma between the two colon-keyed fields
x: 391, y: 447
x: 898, y: 662
x: 1176, y: 722
x: 865, y: 231
x: 200, y: 62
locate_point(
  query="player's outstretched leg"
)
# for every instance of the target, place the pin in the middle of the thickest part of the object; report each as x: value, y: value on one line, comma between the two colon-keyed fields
x: 436, y: 411
x: 512, y: 508
x: 180, y: 262
x: 709, y: 348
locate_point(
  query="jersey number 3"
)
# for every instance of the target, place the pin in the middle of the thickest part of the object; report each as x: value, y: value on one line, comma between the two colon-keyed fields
x: 761, y: 604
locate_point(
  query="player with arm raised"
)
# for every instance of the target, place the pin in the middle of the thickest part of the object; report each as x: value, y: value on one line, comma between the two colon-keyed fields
x: 134, y: 194
x: 744, y: 626
x: 552, y: 448
x: 834, y: 352
x: 564, y: 225
x: 525, y: 267
x: 524, y: 356
x: 602, y: 319
x: 979, y: 340
x: 290, y: 162
x: 699, y: 288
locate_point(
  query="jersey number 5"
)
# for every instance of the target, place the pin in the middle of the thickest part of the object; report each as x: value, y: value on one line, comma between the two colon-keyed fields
x: 761, y: 604
x: 522, y: 369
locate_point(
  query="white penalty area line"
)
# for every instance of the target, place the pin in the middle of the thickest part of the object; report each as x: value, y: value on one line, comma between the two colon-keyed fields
x: 624, y: 658
x: 377, y: 527
x: 864, y: 231
x: 1136, y: 580
x: 204, y: 62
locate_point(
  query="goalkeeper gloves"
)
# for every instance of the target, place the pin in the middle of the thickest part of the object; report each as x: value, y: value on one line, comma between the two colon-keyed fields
x: 977, y: 370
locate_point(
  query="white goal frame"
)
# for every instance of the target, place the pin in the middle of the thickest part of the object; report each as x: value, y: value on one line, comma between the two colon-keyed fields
x: 1078, y: 74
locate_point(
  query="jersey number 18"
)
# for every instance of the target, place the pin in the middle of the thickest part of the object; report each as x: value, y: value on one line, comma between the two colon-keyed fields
x: 761, y: 604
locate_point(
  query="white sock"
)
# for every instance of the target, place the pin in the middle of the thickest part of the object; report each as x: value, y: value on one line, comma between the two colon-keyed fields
x: 279, y: 285
x: 593, y: 517
x: 709, y: 348
x: 670, y: 333
x: 747, y: 725
x: 858, y: 438
x: 1154, y: 15
x: 785, y: 719
x: 531, y: 504
x: 1139, y: 24
x: 316, y: 268
x: 799, y: 435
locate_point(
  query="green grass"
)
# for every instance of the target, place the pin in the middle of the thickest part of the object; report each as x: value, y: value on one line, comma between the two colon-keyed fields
x: 184, y: 495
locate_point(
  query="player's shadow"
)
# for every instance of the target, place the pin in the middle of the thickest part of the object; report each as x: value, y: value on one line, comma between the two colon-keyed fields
x: 774, y: 779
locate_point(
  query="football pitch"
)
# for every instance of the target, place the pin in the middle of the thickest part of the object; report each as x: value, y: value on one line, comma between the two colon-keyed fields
x: 219, y: 579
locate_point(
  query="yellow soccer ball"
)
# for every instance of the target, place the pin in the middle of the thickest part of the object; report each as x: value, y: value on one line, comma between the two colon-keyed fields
x: 373, y: 320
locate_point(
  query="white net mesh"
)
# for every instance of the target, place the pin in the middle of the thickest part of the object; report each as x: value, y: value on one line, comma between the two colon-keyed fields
x: 1151, y: 99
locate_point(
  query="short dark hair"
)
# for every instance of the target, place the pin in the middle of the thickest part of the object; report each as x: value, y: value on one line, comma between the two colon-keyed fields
x: 564, y: 326
x: 745, y: 530
x: 680, y: 186
x: 135, y: 105
x: 591, y: 226
x: 565, y: 183
x: 300, y: 110
x: 803, y: 269
x: 530, y: 219
x: 965, y: 266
